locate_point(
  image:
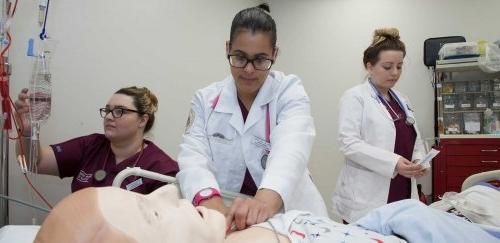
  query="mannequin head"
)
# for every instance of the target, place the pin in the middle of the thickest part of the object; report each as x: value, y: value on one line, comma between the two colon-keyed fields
x: 110, y: 214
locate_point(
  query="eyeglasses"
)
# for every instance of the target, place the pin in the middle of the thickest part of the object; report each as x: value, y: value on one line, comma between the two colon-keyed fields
x: 116, y: 112
x: 259, y: 63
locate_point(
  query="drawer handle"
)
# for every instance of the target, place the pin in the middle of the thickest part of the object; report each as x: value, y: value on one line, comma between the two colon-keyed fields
x: 489, y: 150
x: 489, y: 161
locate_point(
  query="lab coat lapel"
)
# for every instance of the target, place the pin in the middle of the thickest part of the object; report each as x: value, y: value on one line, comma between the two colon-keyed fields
x: 258, y: 109
x: 381, y: 107
x: 228, y: 103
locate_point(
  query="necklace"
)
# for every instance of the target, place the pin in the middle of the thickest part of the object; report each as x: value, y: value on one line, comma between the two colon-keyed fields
x: 100, y: 174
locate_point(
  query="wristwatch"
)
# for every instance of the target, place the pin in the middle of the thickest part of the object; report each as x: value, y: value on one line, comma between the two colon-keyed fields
x: 205, y: 194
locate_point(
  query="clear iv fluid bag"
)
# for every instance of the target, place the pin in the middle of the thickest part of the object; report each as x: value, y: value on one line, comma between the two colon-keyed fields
x: 42, y: 10
x: 40, y: 95
x: 40, y: 104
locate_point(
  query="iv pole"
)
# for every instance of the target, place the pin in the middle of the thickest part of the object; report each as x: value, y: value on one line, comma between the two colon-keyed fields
x: 4, y: 149
x: 4, y: 174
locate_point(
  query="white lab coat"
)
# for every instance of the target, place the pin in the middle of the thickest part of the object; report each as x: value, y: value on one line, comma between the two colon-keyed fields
x: 366, y: 138
x: 220, y: 161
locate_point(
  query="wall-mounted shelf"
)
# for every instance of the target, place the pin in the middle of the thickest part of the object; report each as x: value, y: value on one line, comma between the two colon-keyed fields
x: 469, y: 136
x: 457, y: 65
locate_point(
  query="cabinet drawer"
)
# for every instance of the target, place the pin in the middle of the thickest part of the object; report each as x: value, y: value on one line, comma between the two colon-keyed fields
x: 484, y: 161
x: 454, y: 187
x: 454, y: 171
x: 457, y: 175
x: 454, y: 183
x: 469, y: 149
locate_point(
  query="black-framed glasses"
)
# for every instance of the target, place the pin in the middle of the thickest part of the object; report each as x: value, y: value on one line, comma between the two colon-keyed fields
x: 259, y: 63
x: 116, y: 112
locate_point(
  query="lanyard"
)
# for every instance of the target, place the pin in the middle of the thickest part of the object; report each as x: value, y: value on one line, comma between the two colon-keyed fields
x: 409, y: 120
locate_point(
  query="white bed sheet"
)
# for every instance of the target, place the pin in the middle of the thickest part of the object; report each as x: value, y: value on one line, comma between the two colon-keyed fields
x: 18, y: 233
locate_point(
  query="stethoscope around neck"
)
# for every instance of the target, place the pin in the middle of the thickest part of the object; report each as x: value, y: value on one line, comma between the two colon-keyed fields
x: 409, y: 119
x: 101, y: 174
x: 263, y: 160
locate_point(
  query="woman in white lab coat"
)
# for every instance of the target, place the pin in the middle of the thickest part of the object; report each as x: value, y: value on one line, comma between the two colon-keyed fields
x: 250, y: 133
x: 378, y: 135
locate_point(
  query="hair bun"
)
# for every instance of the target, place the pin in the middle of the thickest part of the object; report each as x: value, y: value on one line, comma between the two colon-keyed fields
x: 382, y: 34
x: 152, y: 100
x: 265, y: 7
x: 387, y: 32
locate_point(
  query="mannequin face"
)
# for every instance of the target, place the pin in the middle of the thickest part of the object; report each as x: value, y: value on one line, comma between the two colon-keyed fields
x: 110, y: 214
x: 160, y: 215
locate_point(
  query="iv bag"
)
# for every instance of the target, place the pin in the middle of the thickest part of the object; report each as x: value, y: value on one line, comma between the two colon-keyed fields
x: 40, y: 95
x: 42, y: 10
x: 40, y: 99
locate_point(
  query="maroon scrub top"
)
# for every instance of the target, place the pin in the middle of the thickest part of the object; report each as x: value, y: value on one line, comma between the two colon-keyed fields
x: 249, y: 187
x: 81, y: 157
x: 406, y: 135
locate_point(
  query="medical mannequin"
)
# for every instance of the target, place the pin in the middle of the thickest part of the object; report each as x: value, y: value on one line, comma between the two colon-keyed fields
x: 109, y: 214
x: 251, y: 132
x: 94, y: 160
x: 93, y: 215
x: 378, y: 135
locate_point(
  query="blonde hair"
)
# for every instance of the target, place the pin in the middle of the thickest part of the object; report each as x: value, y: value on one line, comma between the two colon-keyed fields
x: 144, y: 101
x: 383, y: 39
x: 382, y: 34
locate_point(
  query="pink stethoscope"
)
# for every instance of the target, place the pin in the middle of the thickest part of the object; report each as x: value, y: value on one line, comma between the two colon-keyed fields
x: 263, y: 160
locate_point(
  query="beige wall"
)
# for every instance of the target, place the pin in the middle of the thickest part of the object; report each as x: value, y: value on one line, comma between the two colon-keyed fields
x: 171, y: 46
x: 323, y: 42
x: 176, y: 47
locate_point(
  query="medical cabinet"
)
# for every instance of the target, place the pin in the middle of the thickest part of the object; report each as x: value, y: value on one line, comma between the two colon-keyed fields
x: 467, y: 123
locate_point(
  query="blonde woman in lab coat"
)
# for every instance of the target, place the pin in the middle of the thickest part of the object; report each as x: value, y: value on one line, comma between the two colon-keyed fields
x: 250, y: 133
x: 378, y: 135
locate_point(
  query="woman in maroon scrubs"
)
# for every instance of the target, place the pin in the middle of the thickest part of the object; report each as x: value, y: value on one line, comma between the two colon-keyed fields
x: 95, y: 159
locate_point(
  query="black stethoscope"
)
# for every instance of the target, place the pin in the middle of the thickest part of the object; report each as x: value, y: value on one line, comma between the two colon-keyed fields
x: 100, y: 174
x: 409, y: 119
x: 263, y: 159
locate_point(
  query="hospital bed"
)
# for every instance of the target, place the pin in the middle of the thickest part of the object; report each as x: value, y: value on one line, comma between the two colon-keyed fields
x: 477, y: 202
x: 481, y: 178
x: 27, y: 233
x: 136, y: 171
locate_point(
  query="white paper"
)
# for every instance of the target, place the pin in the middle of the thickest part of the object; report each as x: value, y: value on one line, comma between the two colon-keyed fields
x: 429, y: 156
x: 472, y: 126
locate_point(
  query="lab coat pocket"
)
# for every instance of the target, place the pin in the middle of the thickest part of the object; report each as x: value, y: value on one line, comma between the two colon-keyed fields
x: 222, y: 146
x: 345, y: 188
x: 219, y: 138
x: 363, y: 186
